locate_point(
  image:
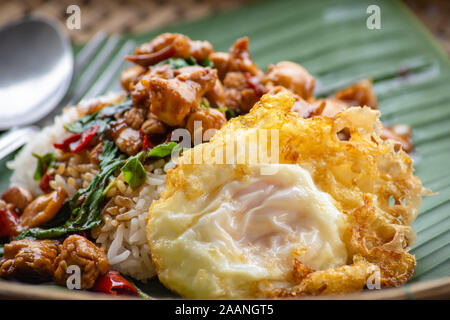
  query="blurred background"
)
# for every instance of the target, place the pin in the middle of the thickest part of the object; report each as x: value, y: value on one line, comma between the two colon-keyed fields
x: 137, y: 16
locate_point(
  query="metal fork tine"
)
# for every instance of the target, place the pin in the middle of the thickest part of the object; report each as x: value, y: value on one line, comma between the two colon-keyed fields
x: 88, y: 52
x: 90, y: 74
x: 110, y: 72
x: 81, y: 62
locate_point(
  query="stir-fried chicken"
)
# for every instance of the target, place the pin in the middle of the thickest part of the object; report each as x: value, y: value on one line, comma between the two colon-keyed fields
x: 291, y: 76
x: 169, y: 45
x: 172, y: 100
x: 358, y: 94
x: 79, y: 251
x: 19, y: 197
x: 201, y: 123
x: 42, y: 209
x: 29, y: 260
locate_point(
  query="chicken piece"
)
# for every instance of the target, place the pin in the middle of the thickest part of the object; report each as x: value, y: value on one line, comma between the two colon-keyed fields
x: 140, y: 94
x: 359, y: 94
x: 170, y: 45
x: 29, y: 260
x: 329, y: 107
x: 241, y: 76
x: 237, y: 59
x: 216, y: 96
x: 79, y: 251
x: 291, y: 76
x: 130, y: 76
x: 95, y: 154
x: 42, y: 209
x: 127, y: 139
x: 135, y: 117
x: 240, y: 59
x: 240, y: 91
x: 220, y: 61
x: 173, y: 99
x: 202, y: 120
x: 400, y: 133
x: 153, y: 126
x: 20, y: 197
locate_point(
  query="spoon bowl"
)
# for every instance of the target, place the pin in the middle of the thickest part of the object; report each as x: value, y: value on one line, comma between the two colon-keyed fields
x: 36, y: 69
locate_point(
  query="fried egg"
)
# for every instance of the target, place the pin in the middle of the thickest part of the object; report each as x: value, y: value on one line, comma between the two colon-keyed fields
x: 313, y: 218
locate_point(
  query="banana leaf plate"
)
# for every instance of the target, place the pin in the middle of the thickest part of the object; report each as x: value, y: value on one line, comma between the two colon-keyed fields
x: 335, y: 42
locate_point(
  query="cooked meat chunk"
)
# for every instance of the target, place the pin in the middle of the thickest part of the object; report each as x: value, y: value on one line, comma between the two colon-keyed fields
x: 135, y: 117
x: 29, y: 260
x: 153, y: 126
x: 220, y: 60
x: 94, y: 155
x: 140, y: 94
x: 360, y: 94
x: 400, y: 133
x: 329, y: 107
x: 240, y: 59
x: 172, y: 100
x: 216, y: 96
x: 20, y: 197
x: 130, y: 76
x: 42, y: 209
x: 291, y: 76
x: 202, y: 120
x: 129, y: 141
x: 240, y: 75
x: 241, y: 90
x: 77, y: 250
x: 170, y: 45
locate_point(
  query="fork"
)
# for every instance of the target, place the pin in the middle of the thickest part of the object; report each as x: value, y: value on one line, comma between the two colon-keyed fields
x: 96, y: 67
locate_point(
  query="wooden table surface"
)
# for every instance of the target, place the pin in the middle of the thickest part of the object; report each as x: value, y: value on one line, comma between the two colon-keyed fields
x: 117, y: 16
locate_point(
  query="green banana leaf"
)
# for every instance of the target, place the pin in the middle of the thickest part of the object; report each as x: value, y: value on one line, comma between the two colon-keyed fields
x: 330, y: 38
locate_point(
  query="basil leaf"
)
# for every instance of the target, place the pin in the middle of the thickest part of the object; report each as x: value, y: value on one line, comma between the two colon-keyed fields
x: 82, y: 124
x: 134, y: 172
x: 177, y: 63
x: 232, y: 113
x: 2, y: 250
x: 84, y: 216
x: 101, y: 118
x: 162, y: 150
x: 44, y: 163
x: 207, y: 63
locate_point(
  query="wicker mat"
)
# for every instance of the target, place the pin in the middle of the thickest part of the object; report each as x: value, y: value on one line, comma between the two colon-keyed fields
x: 118, y: 16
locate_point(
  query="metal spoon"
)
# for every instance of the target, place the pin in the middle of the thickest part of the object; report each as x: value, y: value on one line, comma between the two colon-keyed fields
x: 36, y: 69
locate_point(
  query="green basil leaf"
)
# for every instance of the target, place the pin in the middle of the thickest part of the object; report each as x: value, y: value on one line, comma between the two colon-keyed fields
x: 86, y: 214
x: 207, y: 63
x: 44, y: 163
x: 101, y: 118
x: 134, y: 172
x: 162, y: 150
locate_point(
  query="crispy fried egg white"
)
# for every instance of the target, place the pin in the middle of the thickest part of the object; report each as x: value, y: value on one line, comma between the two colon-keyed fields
x: 314, y: 218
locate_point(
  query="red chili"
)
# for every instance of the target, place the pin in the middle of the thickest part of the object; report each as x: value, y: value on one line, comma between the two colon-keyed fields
x: 45, y: 182
x: 147, y: 143
x: 77, y: 142
x: 66, y: 142
x: 8, y: 222
x: 114, y: 284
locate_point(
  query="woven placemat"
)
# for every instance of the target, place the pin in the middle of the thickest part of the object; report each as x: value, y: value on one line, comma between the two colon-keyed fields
x: 118, y: 16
